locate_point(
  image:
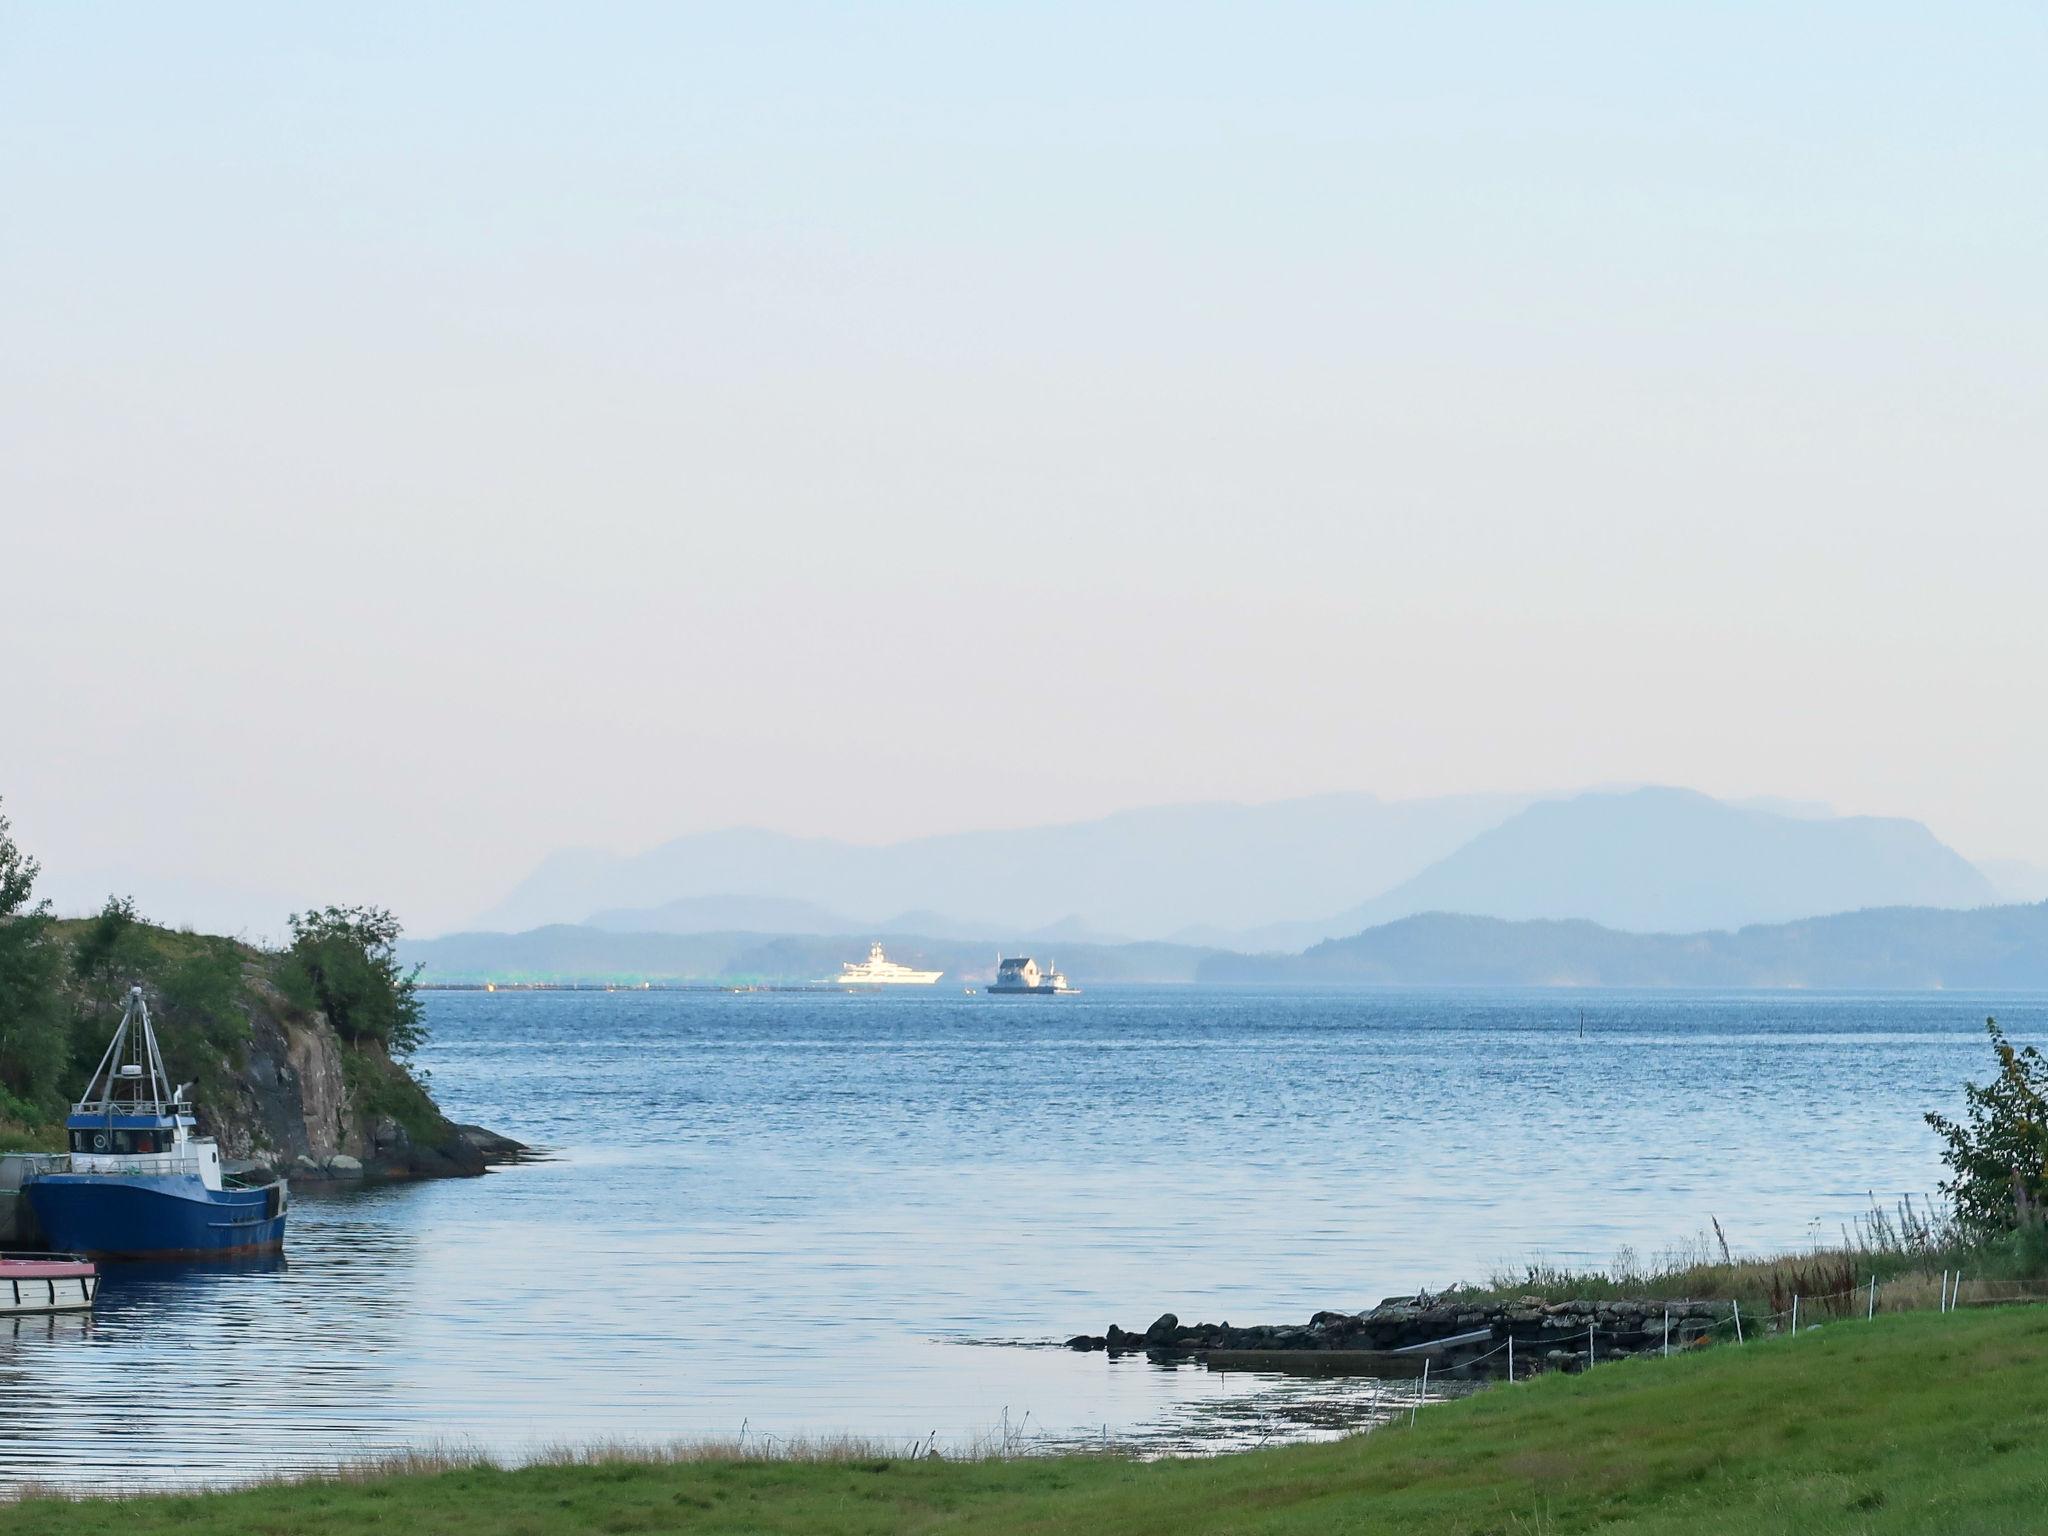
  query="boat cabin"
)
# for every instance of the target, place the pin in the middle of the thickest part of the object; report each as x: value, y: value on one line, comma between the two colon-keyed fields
x: 1019, y: 974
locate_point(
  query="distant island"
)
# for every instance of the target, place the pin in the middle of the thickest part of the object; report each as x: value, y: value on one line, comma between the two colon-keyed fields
x: 1885, y: 948
x: 1904, y: 948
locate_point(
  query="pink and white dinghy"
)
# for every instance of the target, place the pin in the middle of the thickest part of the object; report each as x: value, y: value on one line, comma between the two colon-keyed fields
x: 46, y: 1282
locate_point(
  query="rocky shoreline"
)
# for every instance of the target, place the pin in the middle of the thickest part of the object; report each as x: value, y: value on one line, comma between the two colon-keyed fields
x: 470, y: 1150
x: 1453, y: 1333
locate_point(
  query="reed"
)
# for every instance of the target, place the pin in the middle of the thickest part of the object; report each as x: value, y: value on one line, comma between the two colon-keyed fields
x: 1905, y: 1247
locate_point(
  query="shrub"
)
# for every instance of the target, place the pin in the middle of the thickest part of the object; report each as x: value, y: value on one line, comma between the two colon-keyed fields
x: 1998, y: 1153
x: 344, y: 961
x: 202, y: 1025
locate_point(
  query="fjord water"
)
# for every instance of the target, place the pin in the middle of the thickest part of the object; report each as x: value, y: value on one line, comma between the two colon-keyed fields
x: 802, y: 1213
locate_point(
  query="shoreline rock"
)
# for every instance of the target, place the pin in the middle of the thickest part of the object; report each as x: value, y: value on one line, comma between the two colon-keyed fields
x: 471, y: 1151
x: 1469, y: 1334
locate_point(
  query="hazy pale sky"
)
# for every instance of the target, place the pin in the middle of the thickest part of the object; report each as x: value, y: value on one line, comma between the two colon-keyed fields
x: 434, y: 435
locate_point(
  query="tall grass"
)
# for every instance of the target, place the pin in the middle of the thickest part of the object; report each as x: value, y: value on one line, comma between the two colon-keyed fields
x: 433, y: 1459
x: 1905, y: 1248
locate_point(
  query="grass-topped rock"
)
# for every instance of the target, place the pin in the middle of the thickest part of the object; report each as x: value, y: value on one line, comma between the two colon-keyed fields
x: 299, y: 1058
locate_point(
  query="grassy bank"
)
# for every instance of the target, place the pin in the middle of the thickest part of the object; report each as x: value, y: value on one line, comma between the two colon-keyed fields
x: 1912, y: 1423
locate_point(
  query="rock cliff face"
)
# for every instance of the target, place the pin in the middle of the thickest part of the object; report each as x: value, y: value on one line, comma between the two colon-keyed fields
x: 308, y: 1104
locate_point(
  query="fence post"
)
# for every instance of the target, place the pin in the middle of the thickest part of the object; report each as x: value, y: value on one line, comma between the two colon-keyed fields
x: 1589, y: 1346
x: 1511, y: 1359
x: 1867, y: 1316
x: 1738, y: 1320
x: 1420, y: 1388
x: 1795, y: 1312
x: 1667, y: 1331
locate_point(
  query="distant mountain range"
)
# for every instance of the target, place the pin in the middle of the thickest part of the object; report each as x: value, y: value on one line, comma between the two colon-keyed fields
x: 780, y: 915
x: 1146, y: 873
x: 1282, y: 877
x: 1674, y: 861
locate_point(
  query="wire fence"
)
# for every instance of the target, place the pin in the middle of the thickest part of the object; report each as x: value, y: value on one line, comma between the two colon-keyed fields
x: 1684, y: 1328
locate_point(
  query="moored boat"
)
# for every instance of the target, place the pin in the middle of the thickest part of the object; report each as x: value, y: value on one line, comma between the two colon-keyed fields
x: 46, y: 1282
x: 1021, y: 977
x: 878, y: 970
x: 139, y: 1184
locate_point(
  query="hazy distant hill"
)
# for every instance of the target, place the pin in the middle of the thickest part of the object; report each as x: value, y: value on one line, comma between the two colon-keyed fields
x: 1674, y: 861
x: 1896, y: 947
x: 1148, y: 873
x: 566, y: 952
x: 782, y: 915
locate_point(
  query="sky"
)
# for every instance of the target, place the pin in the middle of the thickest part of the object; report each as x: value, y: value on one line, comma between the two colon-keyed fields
x: 434, y: 436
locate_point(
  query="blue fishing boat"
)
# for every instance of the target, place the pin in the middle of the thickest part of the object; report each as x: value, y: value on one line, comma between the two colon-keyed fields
x: 138, y: 1183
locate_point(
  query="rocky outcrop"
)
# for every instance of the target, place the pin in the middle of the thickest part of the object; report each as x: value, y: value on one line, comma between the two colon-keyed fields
x: 1461, y: 1333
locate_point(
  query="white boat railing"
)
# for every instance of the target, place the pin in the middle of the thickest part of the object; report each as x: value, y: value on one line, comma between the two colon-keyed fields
x: 145, y: 1166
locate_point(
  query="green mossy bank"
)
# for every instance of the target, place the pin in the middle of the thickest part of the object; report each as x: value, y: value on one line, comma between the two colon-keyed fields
x: 1923, y: 1422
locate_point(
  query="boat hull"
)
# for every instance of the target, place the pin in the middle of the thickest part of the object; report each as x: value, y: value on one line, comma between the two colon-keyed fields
x: 139, y: 1216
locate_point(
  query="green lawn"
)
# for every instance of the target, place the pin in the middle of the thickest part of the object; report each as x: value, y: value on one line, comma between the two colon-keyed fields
x: 1912, y: 1423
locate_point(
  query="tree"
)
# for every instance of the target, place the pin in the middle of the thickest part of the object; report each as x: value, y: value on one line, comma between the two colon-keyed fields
x: 108, y: 951
x: 344, y: 961
x: 31, y: 1041
x: 1998, y: 1154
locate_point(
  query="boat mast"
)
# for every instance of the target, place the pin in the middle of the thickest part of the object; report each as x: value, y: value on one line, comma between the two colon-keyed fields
x: 139, y: 1039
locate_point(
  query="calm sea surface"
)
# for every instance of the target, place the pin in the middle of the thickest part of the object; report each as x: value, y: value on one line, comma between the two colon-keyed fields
x: 809, y: 1214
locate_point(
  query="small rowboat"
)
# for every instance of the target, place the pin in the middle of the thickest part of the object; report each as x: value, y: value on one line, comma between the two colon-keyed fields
x: 46, y: 1282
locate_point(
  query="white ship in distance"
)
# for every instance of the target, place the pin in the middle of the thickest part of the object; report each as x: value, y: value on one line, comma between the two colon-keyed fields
x: 878, y: 970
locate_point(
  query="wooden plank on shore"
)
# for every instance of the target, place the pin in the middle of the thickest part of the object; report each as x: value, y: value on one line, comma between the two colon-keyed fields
x: 1406, y: 1361
x: 1438, y: 1346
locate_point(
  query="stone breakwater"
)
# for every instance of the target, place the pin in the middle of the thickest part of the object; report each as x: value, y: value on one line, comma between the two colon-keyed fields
x: 1457, y: 1334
